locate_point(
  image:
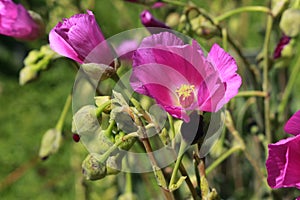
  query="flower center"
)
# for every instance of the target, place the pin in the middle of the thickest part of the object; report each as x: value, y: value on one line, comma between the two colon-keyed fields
x: 186, y: 95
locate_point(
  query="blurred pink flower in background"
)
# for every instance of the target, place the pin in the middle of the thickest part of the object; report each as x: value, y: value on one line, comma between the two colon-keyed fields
x: 283, y: 162
x: 16, y: 21
x: 180, y: 78
x: 148, y: 20
x: 79, y: 38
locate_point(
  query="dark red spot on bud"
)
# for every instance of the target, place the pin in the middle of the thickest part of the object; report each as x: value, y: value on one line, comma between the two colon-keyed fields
x: 76, y: 137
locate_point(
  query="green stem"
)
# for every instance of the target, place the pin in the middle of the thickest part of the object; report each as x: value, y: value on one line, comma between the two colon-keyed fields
x: 252, y: 93
x: 171, y: 122
x: 102, y: 107
x: 128, y: 188
x: 224, y: 39
x: 222, y: 158
x: 174, y: 2
x: 104, y: 156
x: 63, y: 114
x: 265, y: 85
x: 183, y: 145
x: 289, y: 87
x: 241, y: 10
x: 188, y: 181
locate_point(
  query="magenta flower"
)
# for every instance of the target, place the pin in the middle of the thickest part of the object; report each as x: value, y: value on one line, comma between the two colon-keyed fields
x: 79, y: 38
x: 148, y: 20
x: 16, y: 21
x: 284, y: 40
x: 180, y: 78
x: 283, y: 161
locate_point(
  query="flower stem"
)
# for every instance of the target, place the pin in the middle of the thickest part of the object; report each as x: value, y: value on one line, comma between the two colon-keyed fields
x: 265, y: 85
x: 241, y: 10
x: 252, y: 93
x: 128, y: 188
x: 288, y: 90
x: 183, y: 145
x: 188, y: 181
x: 174, y: 2
x: 171, y: 122
x: 63, y: 114
x: 102, y: 107
x: 222, y: 158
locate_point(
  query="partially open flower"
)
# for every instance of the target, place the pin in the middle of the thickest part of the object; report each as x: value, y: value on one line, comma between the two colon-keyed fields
x: 283, y: 161
x: 16, y: 21
x: 80, y: 38
x: 180, y: 78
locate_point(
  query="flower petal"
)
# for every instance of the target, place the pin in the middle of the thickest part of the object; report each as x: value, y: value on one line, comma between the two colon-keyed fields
x: 283, y: 163
x: 292, y: 125
x: 227, y: 68
x: 60, y: 46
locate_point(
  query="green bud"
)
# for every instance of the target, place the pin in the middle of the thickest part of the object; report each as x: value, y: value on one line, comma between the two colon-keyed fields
x: 36, y: 61
x: 113, y: 165
x: 278, y: 6
x: 126, y: 144
x: 92, y: 169
x: 123, y: 119
x: 128, y: 196
x: 172, y: 19
x: 290, y: 22
x: 98, y: 71
x: 50, y: 143
x: 27, y: 74
x: 85, y: 120
x: 288, y: 50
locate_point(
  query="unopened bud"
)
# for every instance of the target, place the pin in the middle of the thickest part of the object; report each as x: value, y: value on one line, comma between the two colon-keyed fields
x: 92, y: 169
x: 126, y: 144
x: 113, y: 165
x: 290, y: 22
x: 85, y: 120
x: 27, y: 74
x: 50, y: 143
x: 98, y: 71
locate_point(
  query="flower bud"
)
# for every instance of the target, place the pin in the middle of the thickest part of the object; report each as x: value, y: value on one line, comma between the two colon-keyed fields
x: 36, y: 61
x: 173, y: 19
x: 98, y: 71
x: 50, y: 143
x: 284, y: 40
x: 27, y: 74
x: 85, y: 120
x: 16, y: 22
x: 290, y: 22
x: 123, y: 119
x: 148, y: 20
x: 113, y: 165
x: 92, y: 169
x: 126, y: 144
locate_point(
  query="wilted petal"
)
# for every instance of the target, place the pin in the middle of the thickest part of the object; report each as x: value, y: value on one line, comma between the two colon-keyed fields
x: 227, y: 68
x: 283, y: 163
x: 292, y: 126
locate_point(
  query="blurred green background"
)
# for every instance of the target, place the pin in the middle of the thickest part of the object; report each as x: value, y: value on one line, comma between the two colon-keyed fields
x: 28, y: 111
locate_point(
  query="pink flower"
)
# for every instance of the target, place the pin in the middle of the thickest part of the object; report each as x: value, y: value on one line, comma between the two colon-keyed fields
x: 148, y: 20
x: 180, y: 78
x: 16, y: 21
x: 79, y: 38
x: 284, y: 157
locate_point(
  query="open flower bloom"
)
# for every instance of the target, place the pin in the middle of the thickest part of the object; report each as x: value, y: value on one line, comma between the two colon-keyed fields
x: 180, y: 78
x: 80, y: 38
x: 283, y: 162
x: 16, y: 21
